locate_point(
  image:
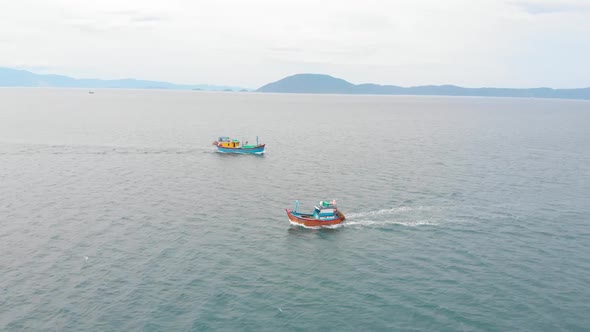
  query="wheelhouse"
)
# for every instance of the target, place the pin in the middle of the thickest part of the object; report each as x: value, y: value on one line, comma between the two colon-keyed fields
x: 226, y: 142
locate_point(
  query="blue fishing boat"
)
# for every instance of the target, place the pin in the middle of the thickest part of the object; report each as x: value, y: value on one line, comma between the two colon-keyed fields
x: 228, y: 145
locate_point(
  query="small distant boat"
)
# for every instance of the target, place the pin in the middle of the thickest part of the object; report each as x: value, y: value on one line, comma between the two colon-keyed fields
x: 324, y: 214
x: 228, y: 145
x: 91, y: 92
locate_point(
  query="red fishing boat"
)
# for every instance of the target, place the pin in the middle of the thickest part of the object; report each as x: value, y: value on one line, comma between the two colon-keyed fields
x: 325, y: 214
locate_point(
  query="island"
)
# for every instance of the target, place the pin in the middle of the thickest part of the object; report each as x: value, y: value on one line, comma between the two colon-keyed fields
x: 319, y: 83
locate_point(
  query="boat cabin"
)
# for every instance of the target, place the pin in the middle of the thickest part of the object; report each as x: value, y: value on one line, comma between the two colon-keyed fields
x: 226, y: 142
x: 325, y: 210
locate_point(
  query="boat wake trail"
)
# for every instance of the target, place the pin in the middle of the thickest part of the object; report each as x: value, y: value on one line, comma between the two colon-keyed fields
x: 404, y: 215
x: 409, y: 223
x: 392, y: 211
x: 35, y: 149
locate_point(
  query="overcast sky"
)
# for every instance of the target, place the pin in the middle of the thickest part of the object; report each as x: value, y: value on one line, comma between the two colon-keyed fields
x: 474, y: 43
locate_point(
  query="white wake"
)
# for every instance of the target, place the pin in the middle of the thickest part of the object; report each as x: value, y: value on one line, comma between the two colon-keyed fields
x: 404, y: 216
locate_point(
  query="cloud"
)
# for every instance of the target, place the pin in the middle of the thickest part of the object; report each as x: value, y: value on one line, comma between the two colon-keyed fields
x: 151, y: 18
x: 551, y: 7
x: 114, y: 20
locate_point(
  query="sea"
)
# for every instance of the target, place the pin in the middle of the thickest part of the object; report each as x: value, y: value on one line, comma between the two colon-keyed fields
x: 463, y: 213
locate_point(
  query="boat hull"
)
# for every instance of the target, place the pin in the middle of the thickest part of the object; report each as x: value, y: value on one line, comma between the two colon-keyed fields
x: 259, y: 149
x: 312, y: 222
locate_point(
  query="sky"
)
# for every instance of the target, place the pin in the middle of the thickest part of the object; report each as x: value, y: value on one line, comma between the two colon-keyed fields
x: 471, y: 43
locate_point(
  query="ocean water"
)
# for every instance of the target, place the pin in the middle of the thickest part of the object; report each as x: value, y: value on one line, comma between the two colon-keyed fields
x: 464, y: 214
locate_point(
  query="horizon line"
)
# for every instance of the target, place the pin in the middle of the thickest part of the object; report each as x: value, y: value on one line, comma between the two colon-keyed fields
x: 284, y: 77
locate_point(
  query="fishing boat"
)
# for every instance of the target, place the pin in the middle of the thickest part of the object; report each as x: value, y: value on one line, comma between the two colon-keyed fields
x: 325, y: 214
x: 229, y: 145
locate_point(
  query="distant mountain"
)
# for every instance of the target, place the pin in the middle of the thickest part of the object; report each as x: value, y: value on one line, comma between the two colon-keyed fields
x: 309, y: 83
x: 22, y: 78
x: 316, y: 83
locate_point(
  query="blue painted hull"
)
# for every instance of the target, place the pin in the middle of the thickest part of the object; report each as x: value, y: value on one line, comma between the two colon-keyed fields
x: 257, y: 150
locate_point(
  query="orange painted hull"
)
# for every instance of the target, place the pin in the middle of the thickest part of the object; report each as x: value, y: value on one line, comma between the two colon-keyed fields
x: 311, y: 222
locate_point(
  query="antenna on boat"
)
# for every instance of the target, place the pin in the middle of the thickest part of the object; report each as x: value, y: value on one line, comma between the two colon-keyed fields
x: 256, y: 140
x: 296, y: 205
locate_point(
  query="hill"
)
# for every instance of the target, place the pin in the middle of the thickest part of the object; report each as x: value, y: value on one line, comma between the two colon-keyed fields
x: 317, y: 83
x: 22, y: 78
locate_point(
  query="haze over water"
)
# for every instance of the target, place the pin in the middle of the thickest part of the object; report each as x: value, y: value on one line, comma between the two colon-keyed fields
x: 117, y: 214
